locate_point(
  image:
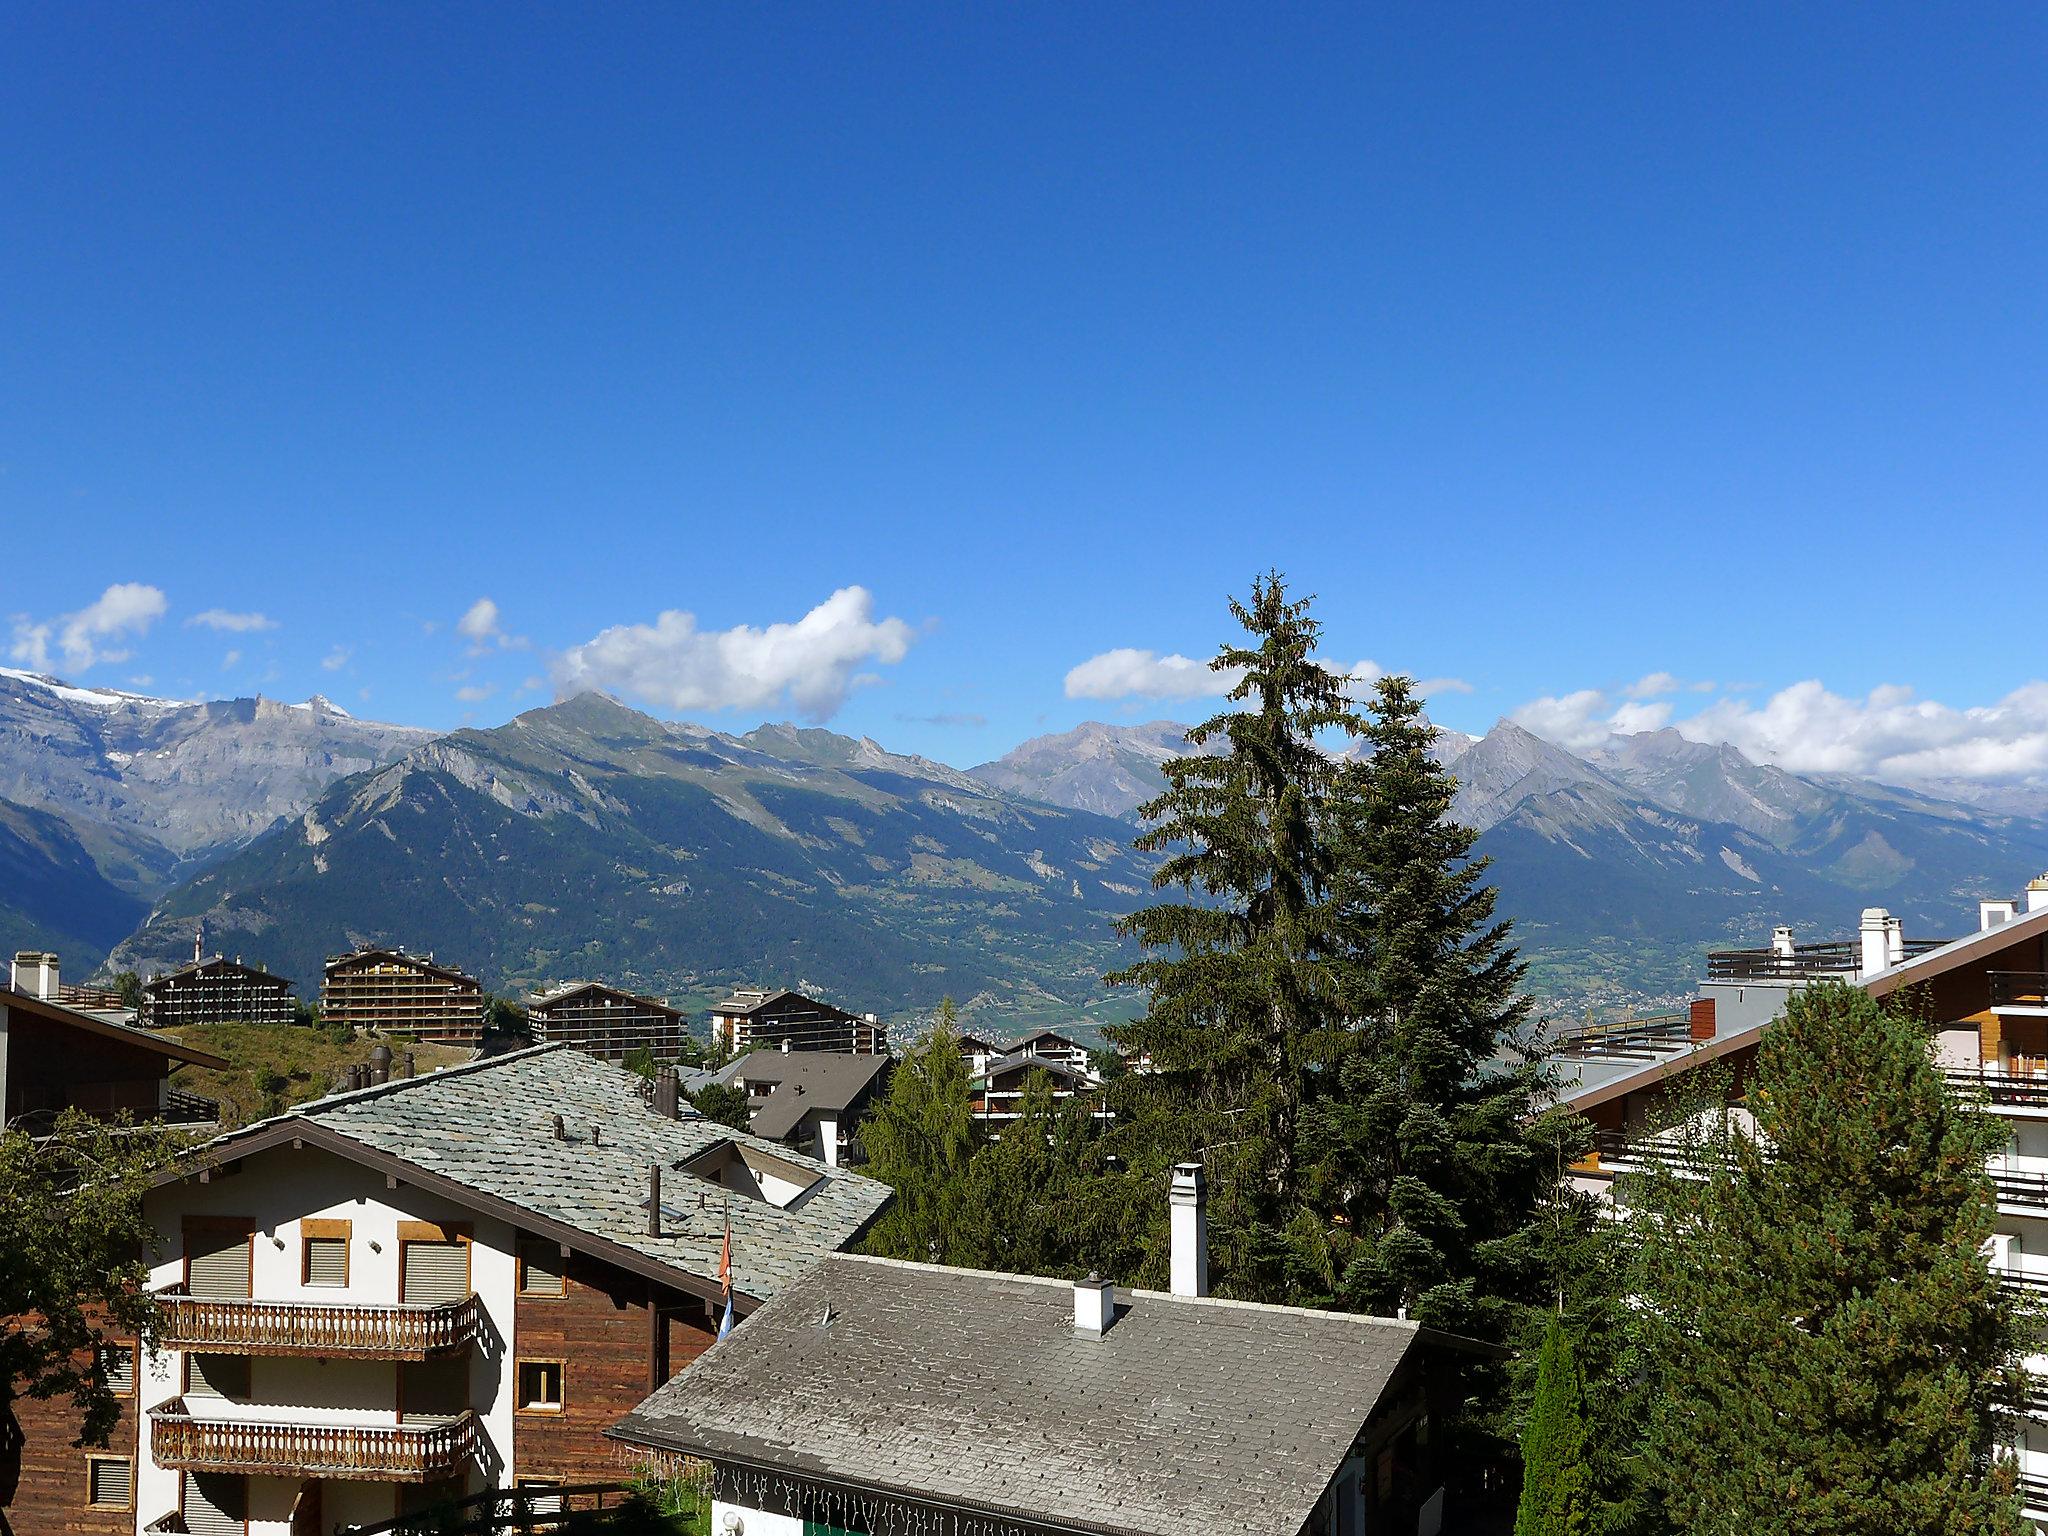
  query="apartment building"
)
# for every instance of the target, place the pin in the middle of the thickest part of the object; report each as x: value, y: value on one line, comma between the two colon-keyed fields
x: 217, y: 990
x: 1015, y: 1405
x: 750, y: 1019
x: 431, y: 1286
x: 1987, y: 993
x: 997, y: 1092
x: 605, y: 1021
x: 402, y: 994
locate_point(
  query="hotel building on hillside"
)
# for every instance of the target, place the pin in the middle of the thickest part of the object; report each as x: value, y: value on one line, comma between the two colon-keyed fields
x: 1988, y: 995
x: 435, y: 1285
x: 604, y: 1021
x: 402, y: 994
x: 217, y: 991
x: 758, y: 1017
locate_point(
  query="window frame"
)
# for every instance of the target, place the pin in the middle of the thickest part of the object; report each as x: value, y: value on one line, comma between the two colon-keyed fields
x: 329, y: 1228
x: 520, y: 1289
x: 519, y: 1403
x: 134, y: 1348
x: 97, y: 1456
x: 410, y: 1232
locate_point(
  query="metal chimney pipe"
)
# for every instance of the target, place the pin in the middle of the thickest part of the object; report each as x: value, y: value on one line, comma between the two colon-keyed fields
x: 654, y: 1199
x: 667, y: 1094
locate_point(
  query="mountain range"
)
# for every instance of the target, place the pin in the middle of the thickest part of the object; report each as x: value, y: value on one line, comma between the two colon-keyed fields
x: 588, y: 839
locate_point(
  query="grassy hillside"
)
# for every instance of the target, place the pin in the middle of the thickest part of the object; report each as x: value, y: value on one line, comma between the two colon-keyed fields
x: 274, y: 1066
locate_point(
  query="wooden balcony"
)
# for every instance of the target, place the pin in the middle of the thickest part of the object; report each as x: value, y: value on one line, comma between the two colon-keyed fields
x: 398, y: 1453
x: 326, y: 1329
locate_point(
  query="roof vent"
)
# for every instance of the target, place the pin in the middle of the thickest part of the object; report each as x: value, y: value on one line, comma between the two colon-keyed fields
x: 1094, y: 1305
x: 561, y: 1130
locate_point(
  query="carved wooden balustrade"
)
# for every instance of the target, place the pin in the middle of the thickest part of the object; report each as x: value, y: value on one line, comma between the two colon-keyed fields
x: 335, y: 1330
x: 397, y: 1453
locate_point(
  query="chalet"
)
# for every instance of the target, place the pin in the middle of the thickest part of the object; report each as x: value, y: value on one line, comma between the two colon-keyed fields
x: 604, y: 1021
x: 876, y: 1395
x: 430, y: 1286
x: 402, y: 994
x: 1986, y: 995
x: 217, y: 991
x: 812, y: 1100
x: 749, y: 1019
x: 997, y: 1095
x: 1051, y: 1045
x: 55, y: 1057
x: 977, y: 1051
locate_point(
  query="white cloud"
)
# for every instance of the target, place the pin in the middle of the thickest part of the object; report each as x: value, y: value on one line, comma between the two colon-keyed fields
x: 476, y: 693
x: 1652, y: 686
x: 1888, y: 734
x: 232, y: 623
x: 1575, y: 721
x: 93, y: 634
x: 1636, y: 716
x: 1128, y: 673
x: 229, y: 660
x: 483, y: 627
x: 1430, y: 687
x: 675, y: 665
x: 336, y: 659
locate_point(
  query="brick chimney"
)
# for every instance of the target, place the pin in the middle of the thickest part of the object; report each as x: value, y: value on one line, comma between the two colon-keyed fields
x: 1189, y: 1202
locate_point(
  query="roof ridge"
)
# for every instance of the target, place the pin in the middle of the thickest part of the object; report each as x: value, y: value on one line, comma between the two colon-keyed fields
x: 396, y: 1084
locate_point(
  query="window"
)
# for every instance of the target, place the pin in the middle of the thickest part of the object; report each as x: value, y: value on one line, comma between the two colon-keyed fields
x: 541, y: 1498
x: 433, y: 1264
x: 117, y: 1364
x: 540, y: 1386
x: 214, y: 1503
x: 323, y: 1258
x: 541, y: 1268
x: 217, y: 1376
x: 109, y: 1482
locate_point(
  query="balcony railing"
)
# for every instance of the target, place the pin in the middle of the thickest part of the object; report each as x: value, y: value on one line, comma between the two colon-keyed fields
x: 2033, y: 1282
x: 1806, y: 962
x: 2021, y: 1187
x: 182, y: 1108
x: 2003, y: 1087
x: 1640, y: 1039
x: 402, y: 1453
x: 2033, y: 1491
x: 333, y: 1329
x: 2019, y: 989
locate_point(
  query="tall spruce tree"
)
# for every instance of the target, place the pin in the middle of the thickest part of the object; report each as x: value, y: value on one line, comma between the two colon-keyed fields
x: 1557, y: 1496
x: 1027, y: 1191
x: 1241, y: 1000
x: 1429, y: 1145
x: 1831, y: 1349
x: 919, y: 1141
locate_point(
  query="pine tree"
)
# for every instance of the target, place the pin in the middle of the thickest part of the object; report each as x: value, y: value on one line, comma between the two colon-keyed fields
x: 1429, y: 1145
x: 919, y: 1141
x: 1241, y: 1001
x: 1831, y: 1349
x: 1020, y: 1213
x: 1556, y: 1481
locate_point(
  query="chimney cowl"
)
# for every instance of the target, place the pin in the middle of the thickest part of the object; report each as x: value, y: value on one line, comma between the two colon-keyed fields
x: 1094, y: 1306
x: 1188, y: 1203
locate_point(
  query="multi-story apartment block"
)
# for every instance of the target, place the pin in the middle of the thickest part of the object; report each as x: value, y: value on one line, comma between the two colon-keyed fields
x: 997, y: 1092
x: 217, y: 991
x: 403, y: 994
x: 1987, y: 997
x: 606, y: 1022
x: 55, y: 1057
x: 434, y: 1285
x: 751, y: 1018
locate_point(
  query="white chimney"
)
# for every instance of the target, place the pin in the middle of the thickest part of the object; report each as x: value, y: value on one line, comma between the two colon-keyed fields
x: 2037, y: 894
x: 1094, y: 1306
x: 1991, y: 913
x: 785, y: 1045
x: 1875, y: 933
x: 1895, y: 940
x: 1189, y: 1202
x: 1781, y: 940
x: 35, y: 972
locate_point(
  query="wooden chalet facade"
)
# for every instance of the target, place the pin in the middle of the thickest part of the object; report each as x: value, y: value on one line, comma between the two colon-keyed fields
x: 402, y: 994
x: 754, y: 1018
x: 217, y: 991
x: 606, y: 1022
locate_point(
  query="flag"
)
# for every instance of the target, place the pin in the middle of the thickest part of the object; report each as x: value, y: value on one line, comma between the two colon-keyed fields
x: 725, y: 1276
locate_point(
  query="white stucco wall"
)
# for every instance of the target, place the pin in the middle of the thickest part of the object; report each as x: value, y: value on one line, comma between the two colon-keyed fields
x: 276, y: 1189
x: 751, y: 1521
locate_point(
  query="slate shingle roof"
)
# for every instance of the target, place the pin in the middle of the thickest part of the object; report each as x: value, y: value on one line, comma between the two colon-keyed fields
x: 489, y: 1126
x: 1187, y: 1415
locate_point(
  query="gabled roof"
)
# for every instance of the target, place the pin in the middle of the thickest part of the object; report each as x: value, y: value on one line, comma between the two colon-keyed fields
x: 482, y: 1134
x: 1003, y: 1066
x: 805, y: 1080
x: 404, y: 957
x: 746, y: 1002
x: 1186, y: 1415
x: 572, y: 989
x: 219, y: 963
x: 1981, y: 945
x: 107, y: 1028
x: 1045, y: 1034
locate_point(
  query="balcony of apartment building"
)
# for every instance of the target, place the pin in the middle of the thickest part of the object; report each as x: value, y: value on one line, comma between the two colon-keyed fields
x: 352, y: 1330
x: 2024, y: 993
x: 189, y: 1438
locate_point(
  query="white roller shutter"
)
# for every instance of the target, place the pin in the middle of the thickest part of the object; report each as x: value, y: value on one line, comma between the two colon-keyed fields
x: 217, y: 1376
x: 110, y: 1482
x: 327, y: 1261
x: 435, y: 1273
x: 215, y: 1504
x: 218, y: 1263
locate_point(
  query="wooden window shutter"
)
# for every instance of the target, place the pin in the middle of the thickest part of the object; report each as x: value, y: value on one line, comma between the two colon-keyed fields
x: 110, y: 1482
x: 540, y: 1269
x: 435, y: 1273
x: 217, y: 1262
x: 216, y: 1504
x: 327, y: 1261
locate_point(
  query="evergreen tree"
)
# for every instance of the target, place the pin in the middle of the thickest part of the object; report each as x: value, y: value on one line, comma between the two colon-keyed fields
x: 1429, y: 1143
x: 1831, y: 1349
x: 1241, y: 1001
x: 1024, y: 1210
x: 1556, y: 1481
x: 919, y: 1141
x: 727, y: 1103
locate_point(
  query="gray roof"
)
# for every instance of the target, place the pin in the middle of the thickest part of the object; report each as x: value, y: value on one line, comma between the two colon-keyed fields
x: 1003, y: 1065
x: 488, y: 1126
x: 1186, y: 1415
x: 805, y: 1080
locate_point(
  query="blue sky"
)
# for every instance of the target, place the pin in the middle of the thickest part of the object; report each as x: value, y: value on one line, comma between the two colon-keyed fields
x: 1552, y: 348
